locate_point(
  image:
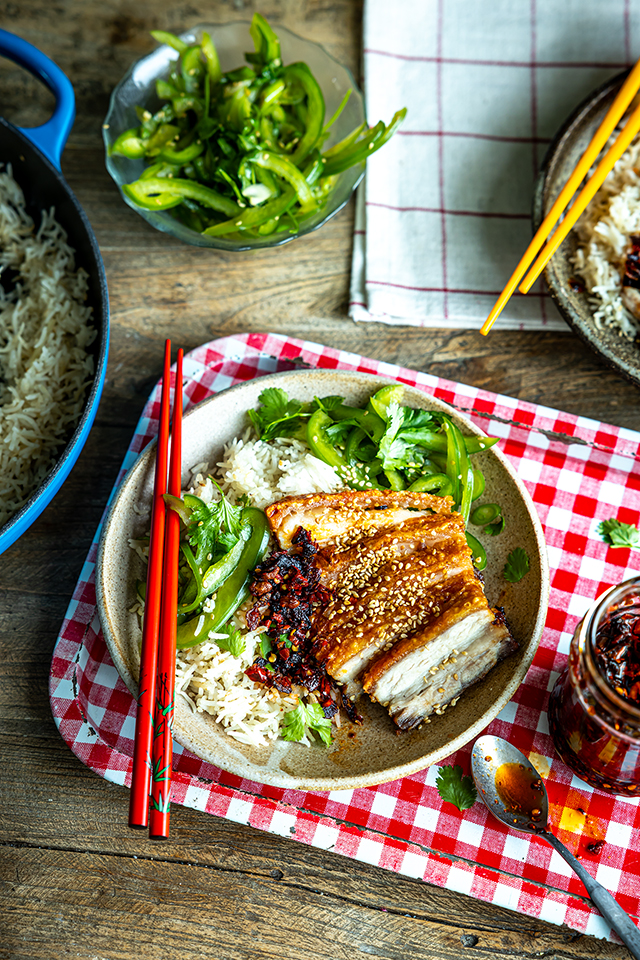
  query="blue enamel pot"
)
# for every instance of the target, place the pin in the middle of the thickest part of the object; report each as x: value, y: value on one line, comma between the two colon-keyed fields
x: 34, y: 155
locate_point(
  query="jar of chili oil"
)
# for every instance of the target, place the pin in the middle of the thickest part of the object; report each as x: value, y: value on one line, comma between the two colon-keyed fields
x: 594, y: 708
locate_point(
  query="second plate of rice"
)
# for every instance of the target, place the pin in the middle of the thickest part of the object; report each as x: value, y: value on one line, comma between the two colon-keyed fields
x: 585, y: 275
x: 221, y: 715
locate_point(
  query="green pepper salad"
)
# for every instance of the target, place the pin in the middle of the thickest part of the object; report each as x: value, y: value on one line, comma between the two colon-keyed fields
x: 239, y: 154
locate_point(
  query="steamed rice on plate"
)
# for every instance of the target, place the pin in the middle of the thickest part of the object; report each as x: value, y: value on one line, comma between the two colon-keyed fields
x: 608, y: 255
x: 45, y: 332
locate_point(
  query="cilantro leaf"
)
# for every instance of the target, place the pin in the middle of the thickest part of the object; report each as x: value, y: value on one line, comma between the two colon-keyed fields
x: 234, y: 642
x: 517, y: 565
x: 327, y: 403
x: 293, y: 723
x: 456, y: 789
x: 213, y: 528
x: 310, y: 716
x: 618, y: 534
x: 393, y: 451
x: 278, y: 416
x: 415, y: 419
x: 339, y: 430
x: 317, y: 722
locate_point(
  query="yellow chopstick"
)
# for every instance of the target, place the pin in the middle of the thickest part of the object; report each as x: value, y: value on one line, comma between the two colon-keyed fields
x: 625, y: 95
x: 587, y: 193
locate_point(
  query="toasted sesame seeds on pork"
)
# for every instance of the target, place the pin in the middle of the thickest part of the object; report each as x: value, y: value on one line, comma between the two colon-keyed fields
x: 382, y: 589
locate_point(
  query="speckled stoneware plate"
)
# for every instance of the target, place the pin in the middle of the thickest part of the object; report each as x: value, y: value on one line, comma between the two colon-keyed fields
x: 376, y: 753
x: 571, y: 299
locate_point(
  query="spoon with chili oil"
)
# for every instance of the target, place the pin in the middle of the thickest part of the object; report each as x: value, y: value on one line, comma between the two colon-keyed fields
x: 514, y: 792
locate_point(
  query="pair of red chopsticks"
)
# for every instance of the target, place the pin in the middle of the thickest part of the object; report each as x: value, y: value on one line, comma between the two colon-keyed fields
x: 152, y: 756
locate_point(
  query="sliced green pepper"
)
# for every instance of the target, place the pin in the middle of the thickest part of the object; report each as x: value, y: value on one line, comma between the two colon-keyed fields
x: 170, y: 39
x: 478, y: 553
x: 315, y: 109
x: 478, y: 483
x: 438, y: 483
x: 266, y: 42
x: 356, y: 477
x: 195, y: 584
x: 211, y: 58
x: 285, y: 168
x: 130, y: 145
x: 486, y: 513
x: 180, y: 157
x: 161, y: 193
x: 382, y: 399
x: 250, y: 218
x: 234, y: 590
x: 358, y: 448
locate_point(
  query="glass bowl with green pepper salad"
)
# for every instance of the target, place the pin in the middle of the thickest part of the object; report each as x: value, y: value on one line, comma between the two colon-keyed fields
x: 234, y: 150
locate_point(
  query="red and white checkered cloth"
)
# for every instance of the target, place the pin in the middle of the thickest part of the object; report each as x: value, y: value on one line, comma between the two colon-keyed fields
x: 579, y: 472
x: 445, y: 213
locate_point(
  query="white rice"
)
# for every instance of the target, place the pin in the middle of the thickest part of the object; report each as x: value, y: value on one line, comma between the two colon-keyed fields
x: 269, y: 471
x: 44, y: 334
x: 212, y: 680
x: 603, y: 233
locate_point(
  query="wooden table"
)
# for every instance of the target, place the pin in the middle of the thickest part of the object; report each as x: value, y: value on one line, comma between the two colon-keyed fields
x: 76, y: 882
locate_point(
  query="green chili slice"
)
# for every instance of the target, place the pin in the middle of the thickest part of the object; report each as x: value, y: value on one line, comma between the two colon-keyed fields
x: 486, y: 513
x: 478, y: 553
x: 438, y: 483
x: 478, y: 483
x: 161, y: 193
x: 315, y: 109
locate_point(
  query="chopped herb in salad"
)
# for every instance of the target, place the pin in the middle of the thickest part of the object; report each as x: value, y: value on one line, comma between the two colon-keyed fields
x: 385, y: 445
x: 238, y: 154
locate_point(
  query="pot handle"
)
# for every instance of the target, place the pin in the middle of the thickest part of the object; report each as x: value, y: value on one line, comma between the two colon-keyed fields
x: 51, y: 136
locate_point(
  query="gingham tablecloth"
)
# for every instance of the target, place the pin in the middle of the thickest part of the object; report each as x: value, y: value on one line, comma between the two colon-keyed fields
x: 578, y: 472
x: 445, y: 213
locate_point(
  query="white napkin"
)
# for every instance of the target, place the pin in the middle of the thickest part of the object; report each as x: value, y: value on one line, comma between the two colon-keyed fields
x: 444, y: 213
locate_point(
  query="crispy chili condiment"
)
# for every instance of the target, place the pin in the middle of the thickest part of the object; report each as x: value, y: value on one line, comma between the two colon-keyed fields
x: 286, y: 588
x: 617, y: 649
x: 594, y: 709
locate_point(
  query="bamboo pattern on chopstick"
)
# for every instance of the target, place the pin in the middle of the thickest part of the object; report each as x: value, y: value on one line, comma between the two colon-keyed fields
x: 153, y: 747
x: 165, y: 699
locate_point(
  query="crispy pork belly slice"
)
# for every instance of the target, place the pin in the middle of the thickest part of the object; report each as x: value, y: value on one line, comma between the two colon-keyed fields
x: 329, y: 516
x: 383, y: 588
x: 368, y: 615
x: 454, y: 648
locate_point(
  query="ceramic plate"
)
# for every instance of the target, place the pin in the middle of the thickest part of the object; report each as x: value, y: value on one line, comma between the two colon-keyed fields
x: 571, y: 299
x: 376, y: 753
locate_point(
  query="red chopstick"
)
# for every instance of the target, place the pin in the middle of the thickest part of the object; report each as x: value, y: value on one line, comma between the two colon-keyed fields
x: 163, y: 717
x: 141, y: 776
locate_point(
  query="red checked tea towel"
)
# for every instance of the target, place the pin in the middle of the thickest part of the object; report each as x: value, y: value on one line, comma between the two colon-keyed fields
x: 578, y: 472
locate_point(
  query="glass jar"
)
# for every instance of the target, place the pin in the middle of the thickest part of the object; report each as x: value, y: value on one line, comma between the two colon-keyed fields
x: 596, y: 731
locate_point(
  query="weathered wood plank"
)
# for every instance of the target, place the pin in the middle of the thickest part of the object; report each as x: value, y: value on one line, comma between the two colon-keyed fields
x: 95, y: 904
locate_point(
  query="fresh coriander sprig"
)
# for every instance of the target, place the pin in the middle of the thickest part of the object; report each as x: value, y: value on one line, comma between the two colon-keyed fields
x: 306, y: 717
x: 455, y: 788
x: 517, y: 565
x: 618, y: 534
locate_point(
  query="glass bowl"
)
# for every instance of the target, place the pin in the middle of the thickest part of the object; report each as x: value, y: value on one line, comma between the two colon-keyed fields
x: 137, y: 88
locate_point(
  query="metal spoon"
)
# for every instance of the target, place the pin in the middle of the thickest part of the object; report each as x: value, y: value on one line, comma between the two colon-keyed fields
x: 514, y: 792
